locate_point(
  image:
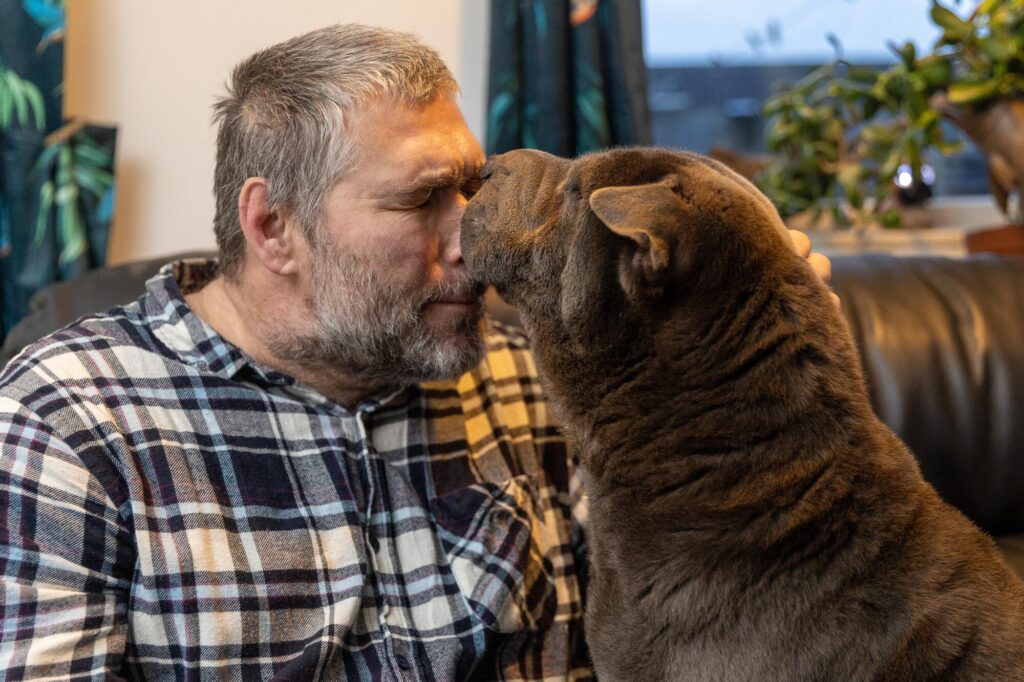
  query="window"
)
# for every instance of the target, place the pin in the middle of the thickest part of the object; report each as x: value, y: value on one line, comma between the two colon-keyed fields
x: 712, y: 65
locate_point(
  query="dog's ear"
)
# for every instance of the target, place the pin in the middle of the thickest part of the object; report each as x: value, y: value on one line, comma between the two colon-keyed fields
x: 649, y: 215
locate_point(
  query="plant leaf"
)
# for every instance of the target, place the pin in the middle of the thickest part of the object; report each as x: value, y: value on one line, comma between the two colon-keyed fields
x: 66, y: 195
x: 43, y: 214
x: 890, y: 218
x: 35, y: 100
x: 45, y: 160
x: 6, y: 106
x: 14, y: 85
x: 969, y: 93
x: 86, y: 149
x: 948, y: 21
x: 998, y: 48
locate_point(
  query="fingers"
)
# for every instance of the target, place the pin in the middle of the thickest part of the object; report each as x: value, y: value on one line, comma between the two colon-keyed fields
x: 818, y: 262
x: 801, y: 244
x: 821, y: 265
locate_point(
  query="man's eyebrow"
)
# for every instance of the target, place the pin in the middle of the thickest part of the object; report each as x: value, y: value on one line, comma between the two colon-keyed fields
x: 429, y: 180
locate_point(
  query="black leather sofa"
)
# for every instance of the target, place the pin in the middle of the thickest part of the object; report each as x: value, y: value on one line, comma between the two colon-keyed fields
x: 942, y: 345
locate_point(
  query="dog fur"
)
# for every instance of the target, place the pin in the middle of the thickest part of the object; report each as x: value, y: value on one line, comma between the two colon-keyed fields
x: 750, y: 516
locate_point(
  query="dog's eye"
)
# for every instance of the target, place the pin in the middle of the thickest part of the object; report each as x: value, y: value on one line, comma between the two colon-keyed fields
x: 572, y: 188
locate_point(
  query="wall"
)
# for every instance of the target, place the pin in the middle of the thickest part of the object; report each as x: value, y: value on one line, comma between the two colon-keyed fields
x: 154, y: 70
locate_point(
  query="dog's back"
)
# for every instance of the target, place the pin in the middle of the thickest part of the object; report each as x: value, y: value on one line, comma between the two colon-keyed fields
x: 783, y: 530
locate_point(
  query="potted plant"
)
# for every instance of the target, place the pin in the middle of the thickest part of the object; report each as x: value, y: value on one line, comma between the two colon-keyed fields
x: 985, y: 99
x: 843, y: 134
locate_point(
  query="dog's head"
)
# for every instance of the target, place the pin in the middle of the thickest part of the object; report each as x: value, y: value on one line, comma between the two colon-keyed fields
x: 607, y: 244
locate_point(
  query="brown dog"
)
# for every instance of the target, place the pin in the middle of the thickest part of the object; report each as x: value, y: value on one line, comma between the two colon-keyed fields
x: 751, y: 518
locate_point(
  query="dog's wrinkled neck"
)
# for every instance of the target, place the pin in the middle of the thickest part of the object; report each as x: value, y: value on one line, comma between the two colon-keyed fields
x: 607, y: 353
x: 722, y: 380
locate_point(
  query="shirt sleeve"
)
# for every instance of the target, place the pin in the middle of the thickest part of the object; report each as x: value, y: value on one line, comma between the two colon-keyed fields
x: 65, y: 558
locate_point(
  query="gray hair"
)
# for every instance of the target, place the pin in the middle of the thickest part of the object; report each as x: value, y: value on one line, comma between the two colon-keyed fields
x: 284, y: 118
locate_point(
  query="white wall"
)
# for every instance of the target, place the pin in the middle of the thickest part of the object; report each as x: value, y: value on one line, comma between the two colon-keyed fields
x: 154, y: 69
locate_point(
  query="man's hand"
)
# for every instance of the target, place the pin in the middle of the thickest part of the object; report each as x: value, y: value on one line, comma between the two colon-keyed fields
x: 819, y: 263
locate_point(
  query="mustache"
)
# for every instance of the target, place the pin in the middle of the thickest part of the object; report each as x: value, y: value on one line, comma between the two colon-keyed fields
x: 463, y: 289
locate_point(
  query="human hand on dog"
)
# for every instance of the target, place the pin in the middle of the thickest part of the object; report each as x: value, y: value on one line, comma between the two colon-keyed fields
x: 818, y: 262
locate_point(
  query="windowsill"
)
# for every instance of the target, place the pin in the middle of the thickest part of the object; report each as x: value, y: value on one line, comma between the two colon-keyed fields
x: 965, y: 212
x: 938, y: 229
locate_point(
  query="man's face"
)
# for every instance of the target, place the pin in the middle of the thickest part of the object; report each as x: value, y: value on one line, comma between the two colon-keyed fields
x: 388, y: 291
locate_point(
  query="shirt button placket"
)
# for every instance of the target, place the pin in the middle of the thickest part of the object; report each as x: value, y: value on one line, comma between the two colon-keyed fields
x: 403, y: 659
x: 381, y: 559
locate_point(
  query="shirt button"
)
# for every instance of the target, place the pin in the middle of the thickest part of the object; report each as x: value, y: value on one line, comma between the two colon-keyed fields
x: 402, y: 662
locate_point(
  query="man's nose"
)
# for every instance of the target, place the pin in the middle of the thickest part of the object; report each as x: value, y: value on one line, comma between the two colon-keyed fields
x: 451, y: 229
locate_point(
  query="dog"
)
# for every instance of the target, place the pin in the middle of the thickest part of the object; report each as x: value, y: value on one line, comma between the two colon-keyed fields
x: 750, y: 517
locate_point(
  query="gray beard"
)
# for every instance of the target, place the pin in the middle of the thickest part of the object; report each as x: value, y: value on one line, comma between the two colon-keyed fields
x: 372, y: 330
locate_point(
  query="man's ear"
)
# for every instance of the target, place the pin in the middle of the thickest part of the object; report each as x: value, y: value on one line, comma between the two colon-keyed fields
x: 269, y: 236
x: 649, y: 215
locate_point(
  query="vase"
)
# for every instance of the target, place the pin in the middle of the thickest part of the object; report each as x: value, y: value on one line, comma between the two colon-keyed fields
x: 998, y: 130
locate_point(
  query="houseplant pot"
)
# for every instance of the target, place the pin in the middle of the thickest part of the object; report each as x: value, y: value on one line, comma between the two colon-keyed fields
x: 998, y: 130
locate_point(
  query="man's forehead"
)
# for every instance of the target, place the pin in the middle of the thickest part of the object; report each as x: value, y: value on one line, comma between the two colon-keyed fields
x: 401, y: 124
x: 444, y: 167
x: 401, y: 145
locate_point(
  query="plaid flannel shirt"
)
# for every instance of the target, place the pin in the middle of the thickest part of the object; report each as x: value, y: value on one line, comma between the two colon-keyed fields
x: 171, y: 509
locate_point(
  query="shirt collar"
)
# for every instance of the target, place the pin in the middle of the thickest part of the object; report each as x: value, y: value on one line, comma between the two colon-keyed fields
x: 178, y: 328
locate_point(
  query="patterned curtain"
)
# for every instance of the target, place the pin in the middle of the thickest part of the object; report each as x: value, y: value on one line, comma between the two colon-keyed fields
x: 56, y: 177
x: 566, y: 76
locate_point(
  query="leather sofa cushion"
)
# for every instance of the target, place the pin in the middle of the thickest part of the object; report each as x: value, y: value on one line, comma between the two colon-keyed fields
x: 942, y: 346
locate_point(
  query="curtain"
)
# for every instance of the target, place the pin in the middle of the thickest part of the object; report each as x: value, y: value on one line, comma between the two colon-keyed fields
x: 566, y: 77
x: 56, y: 177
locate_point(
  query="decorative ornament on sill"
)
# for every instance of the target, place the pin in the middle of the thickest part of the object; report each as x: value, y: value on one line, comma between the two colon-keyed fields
x: 914, y: 191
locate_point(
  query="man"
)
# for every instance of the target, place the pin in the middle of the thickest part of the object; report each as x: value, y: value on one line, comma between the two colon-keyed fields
x: 304, y: 461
